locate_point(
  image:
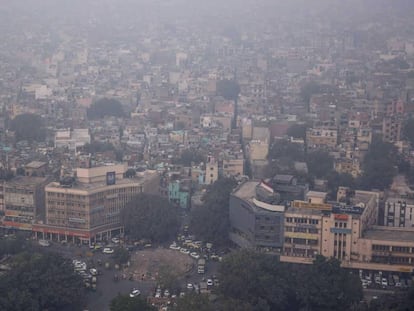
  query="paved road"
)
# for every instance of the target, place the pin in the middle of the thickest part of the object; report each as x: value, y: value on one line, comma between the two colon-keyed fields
x: 370, y: 293
x: 107, y: 288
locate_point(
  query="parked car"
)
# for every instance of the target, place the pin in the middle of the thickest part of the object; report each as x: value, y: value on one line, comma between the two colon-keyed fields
x: 108, y: 250
x: 115, y: 240
x: 194, y: 255
x: 44, y: 243
x: 134, y: 293
x: 184, y: 251
x: 190, y: 286
x: 210, y: 282
x: 174, y: 246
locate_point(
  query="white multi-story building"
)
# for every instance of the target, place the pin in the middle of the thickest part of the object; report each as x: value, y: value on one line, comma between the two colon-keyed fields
x: 399, y: 212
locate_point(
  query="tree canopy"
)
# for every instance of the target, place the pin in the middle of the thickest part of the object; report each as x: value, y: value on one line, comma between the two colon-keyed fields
x: 255, y: 281
x: 97, y: 146
x: 150, y: 217
x: 191, y: 155
x: 210, y: 222
x: 41, y: 282
x: 229, y: 89
x: 105, y: 107
x: 126, y: 303
x: 320, y: 163
x: 28, y: 127
x: 379, y: 165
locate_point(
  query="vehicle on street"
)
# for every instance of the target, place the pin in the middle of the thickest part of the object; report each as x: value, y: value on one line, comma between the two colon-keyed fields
x: 190, y: 286
x: 175, y: 247
x: 184, y: 251
x: 384, y: 282
x: 158, y: 293
x: 115, y: 240
x: 195, y: 255
x: 201, y: 266
x: 108, y: 250
x: 166, y: 293
x: 134, y: 293
x: 44, y: 243
x: 93, y: 271
x: 210, y: 282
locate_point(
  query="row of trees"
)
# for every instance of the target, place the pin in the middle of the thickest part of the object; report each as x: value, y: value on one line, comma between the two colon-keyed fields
x: 150, y: 217
x: 154, y: 218
x: 210, y: 222
x: 105, y: 107
x: 41, y: 282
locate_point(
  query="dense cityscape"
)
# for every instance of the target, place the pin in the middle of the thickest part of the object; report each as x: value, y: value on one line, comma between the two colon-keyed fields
x: 207, y: 155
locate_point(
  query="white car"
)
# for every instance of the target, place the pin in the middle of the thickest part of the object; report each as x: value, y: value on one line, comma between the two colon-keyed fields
x: 158, y: 293
x: 210, y: 282
x: 108, y: 250
x: 194, y: 255
x: 190, y: 286
x: 184, y: 251
x: 175, y: 247
x: 134, y: 293
x: 93, y: 271
x: 44, y: 243
x: 115, y: 240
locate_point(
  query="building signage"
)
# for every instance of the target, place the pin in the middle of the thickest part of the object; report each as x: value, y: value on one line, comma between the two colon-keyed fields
x: 341, y: 217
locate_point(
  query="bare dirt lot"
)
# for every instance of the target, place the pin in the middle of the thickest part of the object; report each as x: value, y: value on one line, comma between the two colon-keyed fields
x: 146, y: 264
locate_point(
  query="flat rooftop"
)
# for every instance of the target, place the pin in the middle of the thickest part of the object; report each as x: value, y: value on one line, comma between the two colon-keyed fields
x: 94, y: 186
x: 247, y: 190
x: 390, y: 234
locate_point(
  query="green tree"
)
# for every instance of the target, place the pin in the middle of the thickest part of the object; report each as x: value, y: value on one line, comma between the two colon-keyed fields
x: 168, y: 278
x: 326, y: 286
x: 336, y: 180
x: 210, y: 222
x: 126, y: 303
x: 28, y: 127
x: 379, y: 165
x: 150, y: 217
x: 320, y: 163
x: 121, y: 255
x: 308, y: 89
x: 255, y: 281
x: 105, y: 107
x: 229, y: 89
x: 41, y: 282
x: 97, y: 146
x: 286, y: 149
x: 191, y: 155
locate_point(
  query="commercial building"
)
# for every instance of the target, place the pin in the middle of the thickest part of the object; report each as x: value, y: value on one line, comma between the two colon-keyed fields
x: 399, y: 212
x: 256, y: 217
x: 88, y: 207
x: 24, y: 202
